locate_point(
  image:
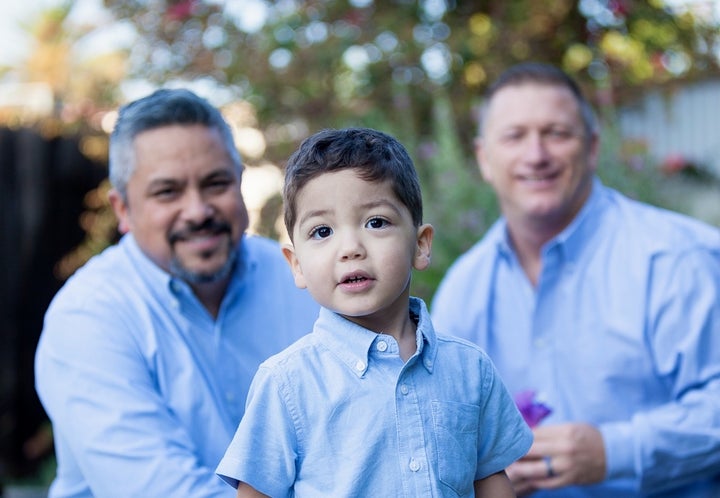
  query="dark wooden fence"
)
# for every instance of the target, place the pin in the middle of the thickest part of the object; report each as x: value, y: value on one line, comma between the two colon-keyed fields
x: 42, y: 185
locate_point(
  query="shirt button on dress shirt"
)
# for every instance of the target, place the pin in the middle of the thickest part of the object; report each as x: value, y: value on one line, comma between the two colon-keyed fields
x: 414, y: 465
x: 360, y: 366
x: 382, y: 346
x: 404, y: 389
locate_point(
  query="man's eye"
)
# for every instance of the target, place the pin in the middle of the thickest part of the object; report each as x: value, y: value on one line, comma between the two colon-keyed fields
x: 321, y: 232
x: 165, y: 193
x: 559, y: 134
x: 512, y: 137
x: 377, y: 223
x: 219, y: 185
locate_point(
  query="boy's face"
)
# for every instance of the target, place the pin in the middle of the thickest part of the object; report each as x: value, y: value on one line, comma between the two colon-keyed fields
x: 355, y: 246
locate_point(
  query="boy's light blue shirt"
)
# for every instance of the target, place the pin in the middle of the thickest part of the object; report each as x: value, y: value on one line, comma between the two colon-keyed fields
x: 338, y: 414
x: 622, y: 331
x: 144, y: 388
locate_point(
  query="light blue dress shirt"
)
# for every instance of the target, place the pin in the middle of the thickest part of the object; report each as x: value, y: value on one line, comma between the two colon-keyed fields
x: 622, y: 331
x: 339, y: 414
x: 143, y: 387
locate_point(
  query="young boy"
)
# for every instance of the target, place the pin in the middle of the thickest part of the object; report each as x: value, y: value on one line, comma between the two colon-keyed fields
x: 373, y: 402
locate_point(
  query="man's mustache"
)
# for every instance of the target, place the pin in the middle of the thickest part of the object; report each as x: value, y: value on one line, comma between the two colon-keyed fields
x: 209, y: 226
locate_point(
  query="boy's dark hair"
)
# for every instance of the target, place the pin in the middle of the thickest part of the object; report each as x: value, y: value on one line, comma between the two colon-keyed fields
x: 545, y: 74
x: 375, y: 155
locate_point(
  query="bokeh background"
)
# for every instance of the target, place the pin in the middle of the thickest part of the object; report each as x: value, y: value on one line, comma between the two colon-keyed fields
x: 281, y: 70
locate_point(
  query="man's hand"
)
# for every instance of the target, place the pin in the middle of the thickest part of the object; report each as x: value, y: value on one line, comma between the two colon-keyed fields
x: 561, y: 455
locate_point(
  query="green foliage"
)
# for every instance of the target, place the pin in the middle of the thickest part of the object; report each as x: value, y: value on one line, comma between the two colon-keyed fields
x: 324, y: 63
x: 415, y: 69
x: 458, y: 204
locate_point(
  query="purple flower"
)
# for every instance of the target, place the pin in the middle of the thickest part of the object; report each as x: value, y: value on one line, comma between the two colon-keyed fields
x: 532, y: 410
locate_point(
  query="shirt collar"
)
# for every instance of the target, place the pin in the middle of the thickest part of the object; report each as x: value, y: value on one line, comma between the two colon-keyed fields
x: 574, y: 238
x: 162, y: 281
x: 579, y: 234
x: 351, y: 342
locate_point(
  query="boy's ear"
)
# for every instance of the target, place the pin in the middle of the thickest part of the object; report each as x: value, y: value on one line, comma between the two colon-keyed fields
x: 423, y: 249
x: 289, y: 252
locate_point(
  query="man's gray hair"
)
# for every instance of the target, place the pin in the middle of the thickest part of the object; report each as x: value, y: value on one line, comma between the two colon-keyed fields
x: 163, y: 107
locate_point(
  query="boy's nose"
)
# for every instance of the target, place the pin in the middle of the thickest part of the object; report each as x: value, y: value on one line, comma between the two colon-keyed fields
x: 352, y: 247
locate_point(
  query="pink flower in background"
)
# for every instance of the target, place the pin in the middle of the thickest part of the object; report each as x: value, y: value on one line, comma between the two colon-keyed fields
x: 532, y: 410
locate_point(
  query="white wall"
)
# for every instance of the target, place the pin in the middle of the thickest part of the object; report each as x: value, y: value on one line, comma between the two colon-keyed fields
x: 685, y: 122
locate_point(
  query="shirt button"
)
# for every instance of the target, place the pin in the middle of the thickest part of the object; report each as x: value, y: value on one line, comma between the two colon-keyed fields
x: 404, y: 389
x: 428, y: 363
x: 360, y: 366
x: 414, y: 465
x: 382, y: 346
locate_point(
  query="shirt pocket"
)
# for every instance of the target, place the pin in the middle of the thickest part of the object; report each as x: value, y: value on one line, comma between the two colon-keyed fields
x: 456, y: 437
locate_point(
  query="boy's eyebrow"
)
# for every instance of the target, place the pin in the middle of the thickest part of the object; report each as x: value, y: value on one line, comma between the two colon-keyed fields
x: 312, y: 214
x: 379, y: 203
x: 367, y: 205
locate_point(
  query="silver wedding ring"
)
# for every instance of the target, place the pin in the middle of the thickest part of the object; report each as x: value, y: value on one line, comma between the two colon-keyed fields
x: 548, y: 464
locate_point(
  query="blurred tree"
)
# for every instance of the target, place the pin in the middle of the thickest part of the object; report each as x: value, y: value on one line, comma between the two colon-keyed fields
x: 83, y: 84
x: 316, y: 63
x: 414, y: 68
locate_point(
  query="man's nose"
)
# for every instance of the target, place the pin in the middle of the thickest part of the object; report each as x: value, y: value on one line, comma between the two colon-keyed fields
x: 536, y: 150
x: 196, y: 207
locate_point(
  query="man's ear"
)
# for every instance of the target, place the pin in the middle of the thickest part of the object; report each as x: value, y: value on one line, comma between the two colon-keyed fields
x: 289, y: 252
x: 120, y: 208
x: 423, y: 249
x: 593, y: 152
x: 485, y: 171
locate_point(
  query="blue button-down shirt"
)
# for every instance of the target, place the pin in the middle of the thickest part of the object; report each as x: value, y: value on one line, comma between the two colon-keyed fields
x: 622, y: 331
x: 145, y: 388
x: 340, y: 415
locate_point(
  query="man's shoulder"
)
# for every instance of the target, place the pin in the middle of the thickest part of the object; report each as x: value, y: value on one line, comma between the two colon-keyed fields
x: 262, y: 245
x: 661, y: 229
x: 262, y: 252
x: 108, y: 276
x: 472, y: 260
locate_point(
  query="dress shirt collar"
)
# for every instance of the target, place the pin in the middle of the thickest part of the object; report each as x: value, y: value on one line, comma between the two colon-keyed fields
x: 574, y: 238
x: 351, y: 342
x: 170, y: 286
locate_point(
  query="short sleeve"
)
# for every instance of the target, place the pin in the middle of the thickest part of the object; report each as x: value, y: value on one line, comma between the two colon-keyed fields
x: 263, y: 451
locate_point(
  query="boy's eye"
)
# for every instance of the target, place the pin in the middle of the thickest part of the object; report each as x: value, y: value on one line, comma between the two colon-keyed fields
x: 320, y: 232
x: 377, y: 223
